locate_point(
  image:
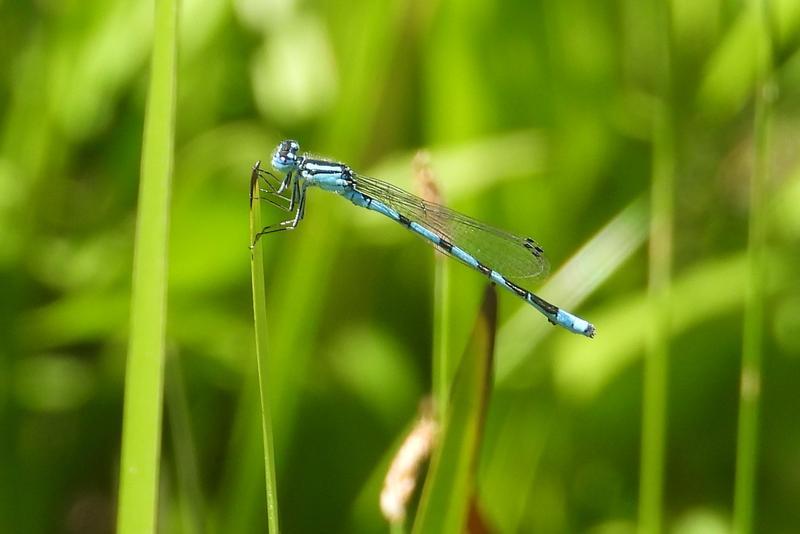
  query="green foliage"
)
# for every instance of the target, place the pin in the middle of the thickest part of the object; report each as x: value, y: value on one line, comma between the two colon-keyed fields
x: 144, y: 377
x: 260, y: 322
x: 745, y: 489
x: 451, y: 482
x: 538, y: 117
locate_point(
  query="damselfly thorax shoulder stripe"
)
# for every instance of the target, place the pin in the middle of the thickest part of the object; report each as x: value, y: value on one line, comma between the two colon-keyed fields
x: 496, y: 254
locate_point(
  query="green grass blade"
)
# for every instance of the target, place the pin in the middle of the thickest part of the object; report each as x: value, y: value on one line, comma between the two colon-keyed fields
x: 260, y: 318
x: 189, y: 493
x: 750, y: 380
x: 654, y: 396
x: 654, y: 402
x: 442, y: 369
x: 445, y: 501
x: 604, y: 254
x: 442, y: 364
x: 141, y: 433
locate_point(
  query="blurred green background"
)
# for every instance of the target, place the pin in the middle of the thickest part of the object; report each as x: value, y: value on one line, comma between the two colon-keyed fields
x: 538, y: 116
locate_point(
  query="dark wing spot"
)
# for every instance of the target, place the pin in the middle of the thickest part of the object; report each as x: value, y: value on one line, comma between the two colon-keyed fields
x: 531, y: 245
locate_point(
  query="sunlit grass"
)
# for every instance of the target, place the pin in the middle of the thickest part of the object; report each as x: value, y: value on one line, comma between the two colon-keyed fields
x: 441, y: 357
x: 598, y: 259
x: 450, y: 484
x: 264, y: 376
x: 543, y: 128
x: 144, y: 379
x: 442, y: 367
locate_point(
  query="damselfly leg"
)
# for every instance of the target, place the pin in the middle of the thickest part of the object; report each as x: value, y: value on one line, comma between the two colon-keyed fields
x: 276, y: 187
x: 298, y: 198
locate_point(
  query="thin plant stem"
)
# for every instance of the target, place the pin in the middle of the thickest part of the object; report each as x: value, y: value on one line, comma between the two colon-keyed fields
x: 260, y: 321
x: 144, y: 378
x: 442, y: 371
x: 446, y: 495
x: 654, y: 409
x: 189, y: 491
x: 750, y: 379
x: 442, y: 366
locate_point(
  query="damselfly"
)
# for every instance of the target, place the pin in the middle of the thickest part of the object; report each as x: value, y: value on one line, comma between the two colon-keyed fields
x: 496, y: 254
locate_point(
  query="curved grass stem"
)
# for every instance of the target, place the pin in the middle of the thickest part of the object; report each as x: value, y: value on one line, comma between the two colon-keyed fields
x: 260, y: 320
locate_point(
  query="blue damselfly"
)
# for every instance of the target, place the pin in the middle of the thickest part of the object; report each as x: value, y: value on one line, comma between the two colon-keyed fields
x: 496, y: 254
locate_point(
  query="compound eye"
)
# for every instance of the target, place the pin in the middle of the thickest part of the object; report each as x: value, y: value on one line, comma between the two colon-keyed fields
x: 288, y: 150
x: 285, y: 156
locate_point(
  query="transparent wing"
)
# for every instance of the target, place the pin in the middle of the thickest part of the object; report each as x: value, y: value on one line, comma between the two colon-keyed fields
x: 509, y: 254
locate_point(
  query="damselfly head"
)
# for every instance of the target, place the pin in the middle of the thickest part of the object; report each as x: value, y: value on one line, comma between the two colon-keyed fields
x: 285, y: 157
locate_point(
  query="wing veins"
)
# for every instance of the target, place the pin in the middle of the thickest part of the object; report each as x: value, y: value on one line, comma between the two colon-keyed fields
x: 510, y: 254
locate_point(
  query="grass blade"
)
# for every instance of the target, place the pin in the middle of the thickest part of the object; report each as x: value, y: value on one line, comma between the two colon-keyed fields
x: 442, y: 372
x: 442, y: 364
x: 445, y: 501
x: 188, y: 491
x: 654, y: 395
x: 144, y: 378
x: 260, y: 318
x: 586, y: 270
x: 750, y: 380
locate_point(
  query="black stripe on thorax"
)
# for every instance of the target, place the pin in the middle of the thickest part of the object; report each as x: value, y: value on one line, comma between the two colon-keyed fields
x: 321, y: 166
